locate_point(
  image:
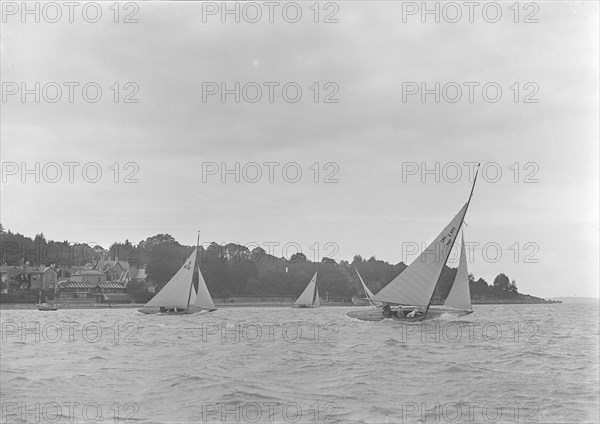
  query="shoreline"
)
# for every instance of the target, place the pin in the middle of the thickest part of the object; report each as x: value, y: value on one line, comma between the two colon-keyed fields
x: 32, y: 306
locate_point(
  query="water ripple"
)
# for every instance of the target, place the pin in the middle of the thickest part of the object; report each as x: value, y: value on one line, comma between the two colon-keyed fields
x: 184, y: 369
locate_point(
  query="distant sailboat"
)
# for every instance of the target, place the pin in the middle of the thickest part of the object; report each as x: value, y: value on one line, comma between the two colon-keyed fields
x: 413, y: 289
x: 178, y: 296
x: 310, y: 296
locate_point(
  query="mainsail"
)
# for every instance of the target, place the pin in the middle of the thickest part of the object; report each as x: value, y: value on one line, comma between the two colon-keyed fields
x: 460, y: 295
x: 415, y: 285
x: 203, y: 299
x: 310, y: 295
x: 368, y: 292
x: 176, y: 293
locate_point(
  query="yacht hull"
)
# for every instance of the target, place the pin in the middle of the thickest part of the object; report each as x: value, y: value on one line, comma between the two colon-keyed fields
x: 378, y: 315
x: 46, y: 307
x: 165, y: 311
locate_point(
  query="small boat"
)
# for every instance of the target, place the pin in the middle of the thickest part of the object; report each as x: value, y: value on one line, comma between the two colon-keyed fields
x: 408, y: 296
x: 310, y: 296
x: 179, y: 296
x: 45, y: 306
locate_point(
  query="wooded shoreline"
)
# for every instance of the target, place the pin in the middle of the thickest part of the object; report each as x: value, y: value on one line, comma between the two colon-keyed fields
x: 220, y: 304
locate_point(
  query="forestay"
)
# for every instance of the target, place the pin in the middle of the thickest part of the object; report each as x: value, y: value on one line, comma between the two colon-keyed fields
x: 368, y: 292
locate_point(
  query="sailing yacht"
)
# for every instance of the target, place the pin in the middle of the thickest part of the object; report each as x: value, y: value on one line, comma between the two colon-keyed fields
x: 310, y: 296
x: 411, y: 292
x: 179, y: 296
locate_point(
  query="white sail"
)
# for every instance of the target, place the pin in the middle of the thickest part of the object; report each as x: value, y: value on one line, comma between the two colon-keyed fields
x: 308, y: 295
x: 368, y: 292
x: 415, y: 285
x: 176, y: 293
x: 317, y: 300
x: 460, y: 295
x: 203, y: 299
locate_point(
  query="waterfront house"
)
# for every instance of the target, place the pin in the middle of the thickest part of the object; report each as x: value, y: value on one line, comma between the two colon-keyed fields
x: 9, y: 272
x: 24, y: 277
x: 133, y: 275
x: 42, y: 277
x: 113, y: 269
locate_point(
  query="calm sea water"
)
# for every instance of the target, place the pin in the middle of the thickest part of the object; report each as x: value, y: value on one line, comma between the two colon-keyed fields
x: 512, y: 363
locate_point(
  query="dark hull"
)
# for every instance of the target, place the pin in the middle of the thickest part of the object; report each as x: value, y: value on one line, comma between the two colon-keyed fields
x: 191, y: 310
x: 46, y: 308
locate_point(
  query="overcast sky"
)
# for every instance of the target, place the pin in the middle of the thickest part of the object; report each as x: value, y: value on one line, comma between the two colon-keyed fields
x: 371, y: 135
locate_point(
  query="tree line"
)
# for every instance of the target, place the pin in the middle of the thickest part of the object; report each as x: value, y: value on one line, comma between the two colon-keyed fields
x: 233, y: 269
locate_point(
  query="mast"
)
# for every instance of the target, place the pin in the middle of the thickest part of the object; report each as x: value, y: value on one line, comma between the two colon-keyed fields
x: 457, y: 231
x: 195, y: 263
